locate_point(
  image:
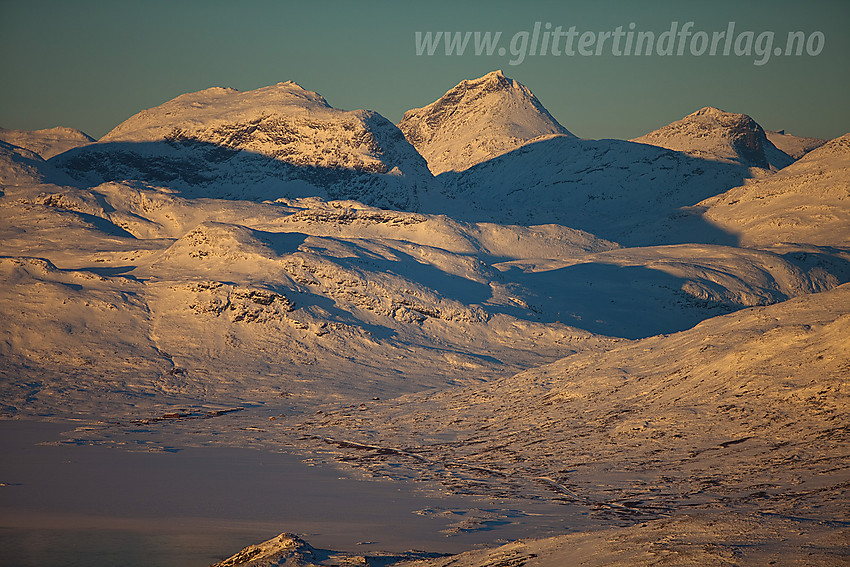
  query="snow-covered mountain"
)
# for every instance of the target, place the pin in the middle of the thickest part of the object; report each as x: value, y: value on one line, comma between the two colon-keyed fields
x: 794, y: 146
x: 243, y: 296
x: 808, y: 201
x: 46, y: 143
x: 634, y: 193
x: 712, y: 134
x: 276, y: 141
x: 477, y: 120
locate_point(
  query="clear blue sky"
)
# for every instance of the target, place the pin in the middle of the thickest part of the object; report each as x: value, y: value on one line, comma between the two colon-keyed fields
x: 90, y: 65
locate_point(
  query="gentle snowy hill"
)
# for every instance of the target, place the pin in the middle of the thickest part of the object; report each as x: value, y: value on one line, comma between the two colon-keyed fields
x: 808, y: 201
x: 621, y: 191
x: 276, y: 141
x: 46, y: 143
x: 19, y: 166
x: 748, y: 410
x: 794, y: 146
x: 475, y: 121
x: 712, y: 134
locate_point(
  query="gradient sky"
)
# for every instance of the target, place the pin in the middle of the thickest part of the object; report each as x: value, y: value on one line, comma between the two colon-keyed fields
x: 91, y: 65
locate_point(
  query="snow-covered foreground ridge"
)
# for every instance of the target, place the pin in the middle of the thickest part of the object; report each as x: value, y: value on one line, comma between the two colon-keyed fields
x: 746, y: 413
x: 637, y: 327
x: 754, y: 398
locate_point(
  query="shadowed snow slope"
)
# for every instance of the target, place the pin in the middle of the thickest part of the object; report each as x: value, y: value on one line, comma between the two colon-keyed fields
x: 272, y: 142
x: 622, y: 191
x: 710, y: 133
x: 477, y: 120
x: 22, y: 167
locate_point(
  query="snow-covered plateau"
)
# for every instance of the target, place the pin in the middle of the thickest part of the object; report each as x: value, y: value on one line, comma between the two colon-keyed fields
x: 650, y: 335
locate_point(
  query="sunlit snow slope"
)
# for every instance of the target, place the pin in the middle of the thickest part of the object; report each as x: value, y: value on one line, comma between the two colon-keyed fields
x: 46, y: 143
x: 277, y: 141
x: 477, y: 120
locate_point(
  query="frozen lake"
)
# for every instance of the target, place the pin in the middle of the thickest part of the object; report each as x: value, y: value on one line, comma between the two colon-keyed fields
x: 91, y: 505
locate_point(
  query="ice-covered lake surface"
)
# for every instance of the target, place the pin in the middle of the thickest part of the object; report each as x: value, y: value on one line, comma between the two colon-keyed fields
x: 65, y: 504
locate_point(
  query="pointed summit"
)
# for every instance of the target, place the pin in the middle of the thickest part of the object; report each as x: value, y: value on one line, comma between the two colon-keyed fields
x: 711, y: 133
x: 477, y: 120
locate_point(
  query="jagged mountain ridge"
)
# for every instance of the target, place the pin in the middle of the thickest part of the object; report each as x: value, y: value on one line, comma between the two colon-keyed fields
x: 477, y: 120
x: 276, y: 141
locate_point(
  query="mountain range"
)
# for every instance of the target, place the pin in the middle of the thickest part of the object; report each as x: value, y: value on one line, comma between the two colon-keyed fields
x: 646, y: 328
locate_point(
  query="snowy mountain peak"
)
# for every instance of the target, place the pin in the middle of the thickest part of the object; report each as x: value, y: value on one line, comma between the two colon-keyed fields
x: 712, y: 133
x: 276, y: 141
x: 214, y: 106
x: 477, y: 120
x: 493, y: 78
x: 708, y: 111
